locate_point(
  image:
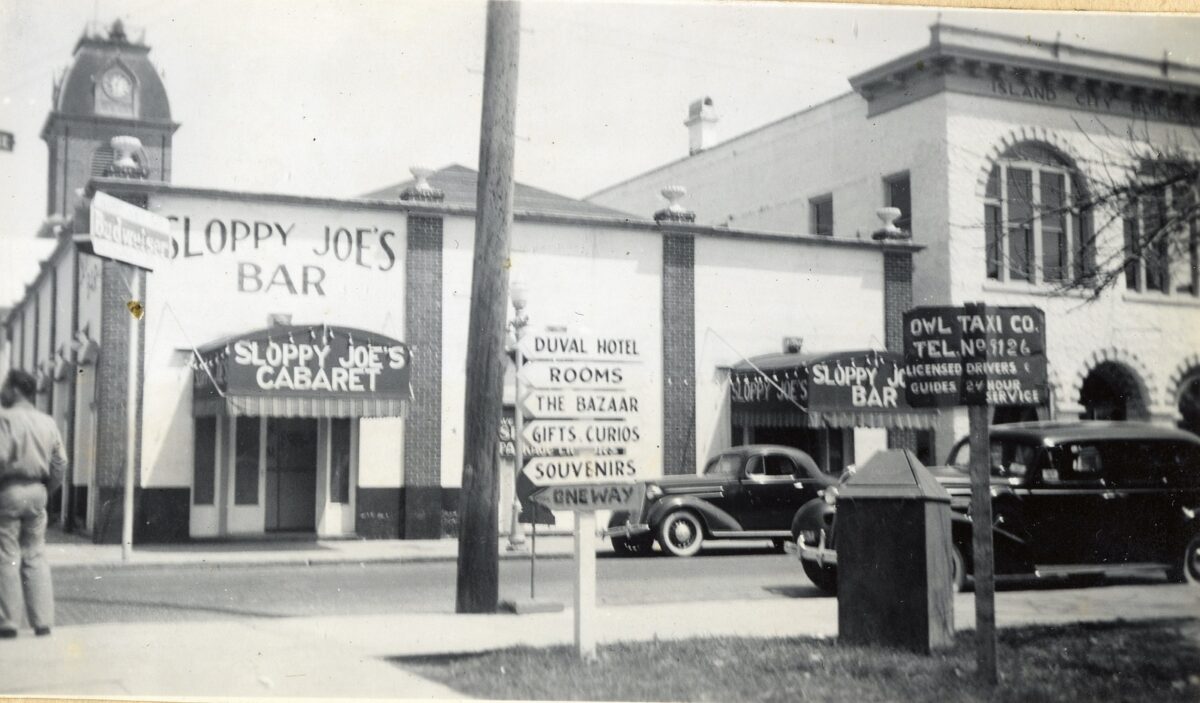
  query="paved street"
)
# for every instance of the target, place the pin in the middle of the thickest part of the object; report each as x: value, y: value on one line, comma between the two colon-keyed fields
x: 196, y: 592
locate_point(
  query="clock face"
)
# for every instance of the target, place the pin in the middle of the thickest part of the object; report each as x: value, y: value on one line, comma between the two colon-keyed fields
x: 116, y: 84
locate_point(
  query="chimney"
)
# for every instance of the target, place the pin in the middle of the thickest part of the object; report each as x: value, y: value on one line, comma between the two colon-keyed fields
x: 421, y: 189
x: 702, y: 125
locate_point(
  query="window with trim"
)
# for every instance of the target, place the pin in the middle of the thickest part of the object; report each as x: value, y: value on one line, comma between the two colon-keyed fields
x: 898, y: 194
x: 1162, y: 234
x: 820, y: 215
x: 1037, y: 226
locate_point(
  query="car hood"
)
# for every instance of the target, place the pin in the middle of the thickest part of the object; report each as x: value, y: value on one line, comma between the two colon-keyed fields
x: 682, y: 483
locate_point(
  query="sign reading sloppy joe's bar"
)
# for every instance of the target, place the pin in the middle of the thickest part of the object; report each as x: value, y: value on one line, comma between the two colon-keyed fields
x: 307, y: 361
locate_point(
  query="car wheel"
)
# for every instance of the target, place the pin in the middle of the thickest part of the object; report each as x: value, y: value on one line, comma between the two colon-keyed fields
x: 1187, y: 568
x: 958, y: 570
x: 628, y: 548
x: 823, y: 577
x: 681, y: 534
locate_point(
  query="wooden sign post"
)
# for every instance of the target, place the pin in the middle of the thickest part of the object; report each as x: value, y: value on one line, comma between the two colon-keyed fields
x: 586, y: 421
x: 980, y: 357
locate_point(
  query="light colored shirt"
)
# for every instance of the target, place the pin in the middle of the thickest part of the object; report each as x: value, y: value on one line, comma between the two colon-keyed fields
x: 31, y: 446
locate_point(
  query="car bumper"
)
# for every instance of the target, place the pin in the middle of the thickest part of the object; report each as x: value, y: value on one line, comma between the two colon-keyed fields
x: 820, y: 554
x: 627, y: 531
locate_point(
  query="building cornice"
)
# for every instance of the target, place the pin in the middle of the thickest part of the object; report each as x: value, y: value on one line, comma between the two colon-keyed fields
x: 101, y: 121
x: 139, y: 187
x: 1033, y: 72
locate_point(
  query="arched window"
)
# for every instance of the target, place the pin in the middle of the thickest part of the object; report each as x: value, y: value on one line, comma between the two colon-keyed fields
x: 1036, y: 225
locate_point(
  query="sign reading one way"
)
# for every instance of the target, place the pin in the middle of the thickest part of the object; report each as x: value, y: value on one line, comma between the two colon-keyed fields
x: 589, y: 497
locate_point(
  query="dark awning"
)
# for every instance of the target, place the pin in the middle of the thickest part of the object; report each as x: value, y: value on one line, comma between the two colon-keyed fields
x: 302, y: 371
x: 843, y: 389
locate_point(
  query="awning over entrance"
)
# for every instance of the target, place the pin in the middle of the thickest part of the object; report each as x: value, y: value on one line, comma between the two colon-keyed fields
x: 845, y: 389
x: 302, y: 371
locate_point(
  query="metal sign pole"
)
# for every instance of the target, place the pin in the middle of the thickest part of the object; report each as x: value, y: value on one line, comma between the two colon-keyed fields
x: 131, y: 417
x: 585, y: 584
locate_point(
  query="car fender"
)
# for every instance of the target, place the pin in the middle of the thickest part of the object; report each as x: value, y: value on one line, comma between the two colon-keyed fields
x: 713, y: 517
x: 814, y: 515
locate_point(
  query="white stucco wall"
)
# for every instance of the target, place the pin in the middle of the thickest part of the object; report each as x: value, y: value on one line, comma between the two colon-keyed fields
x: 749, y: 296
x: 199, y: 298
x: 1155, y: 335
x: 765, y: 178
x: 598, y: 279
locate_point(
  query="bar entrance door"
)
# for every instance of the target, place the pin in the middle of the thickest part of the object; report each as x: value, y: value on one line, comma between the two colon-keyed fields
x: 291, y: 475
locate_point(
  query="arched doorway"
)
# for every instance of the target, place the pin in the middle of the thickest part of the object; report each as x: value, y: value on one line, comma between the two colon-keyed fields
x: 1189, y: 402
x: 1111, y: 392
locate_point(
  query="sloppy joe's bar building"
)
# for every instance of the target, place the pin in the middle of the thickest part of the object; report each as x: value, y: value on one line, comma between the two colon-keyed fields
x: 301, y: 360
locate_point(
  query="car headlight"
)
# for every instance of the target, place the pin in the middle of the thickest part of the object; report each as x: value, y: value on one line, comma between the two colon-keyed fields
x: 831, y: 495
x: 653, y: 492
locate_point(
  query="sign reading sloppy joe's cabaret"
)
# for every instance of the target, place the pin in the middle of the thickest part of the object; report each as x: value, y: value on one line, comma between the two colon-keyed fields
x: 307, y: 361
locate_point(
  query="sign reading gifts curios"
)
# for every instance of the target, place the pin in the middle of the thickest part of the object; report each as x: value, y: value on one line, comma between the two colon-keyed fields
x: 333, y: 361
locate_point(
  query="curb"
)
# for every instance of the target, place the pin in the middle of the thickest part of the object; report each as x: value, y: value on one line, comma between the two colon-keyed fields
x: 289, y: 562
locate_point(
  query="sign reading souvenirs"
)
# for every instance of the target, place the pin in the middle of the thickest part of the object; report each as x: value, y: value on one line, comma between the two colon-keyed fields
x: 554, y: 470
x: 307, y: 361
x: 975, y: 355
x: 128, y: 233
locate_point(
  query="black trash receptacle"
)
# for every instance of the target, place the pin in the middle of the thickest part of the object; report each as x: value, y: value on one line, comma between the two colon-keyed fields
x: 894, y: 556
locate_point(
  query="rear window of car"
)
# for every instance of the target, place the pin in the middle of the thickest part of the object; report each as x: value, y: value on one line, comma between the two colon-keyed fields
x: 1008, y: 458
x: 724, y: 465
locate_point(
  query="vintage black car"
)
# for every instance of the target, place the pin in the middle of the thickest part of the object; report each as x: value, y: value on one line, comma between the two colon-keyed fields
x: 748, y: 492
x: 1067, y: 498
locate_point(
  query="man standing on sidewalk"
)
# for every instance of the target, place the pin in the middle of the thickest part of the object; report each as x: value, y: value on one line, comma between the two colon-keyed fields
x: 32, y: 464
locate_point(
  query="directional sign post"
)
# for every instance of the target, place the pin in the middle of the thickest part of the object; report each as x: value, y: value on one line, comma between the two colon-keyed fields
x: 587, y: 434
x: 978, y: 356
x: 128, y: 233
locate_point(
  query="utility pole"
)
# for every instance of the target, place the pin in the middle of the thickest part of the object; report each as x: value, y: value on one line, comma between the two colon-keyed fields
x: 478, y: 539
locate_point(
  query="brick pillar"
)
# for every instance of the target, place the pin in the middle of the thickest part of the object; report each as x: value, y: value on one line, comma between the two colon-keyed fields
x: 897, y: 298
x: 421, y: 495
x: 679, y: 354
x: 112, y: 391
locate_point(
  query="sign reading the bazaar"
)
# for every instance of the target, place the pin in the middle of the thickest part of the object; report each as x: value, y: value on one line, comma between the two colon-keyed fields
x: 975, y: 355
x: 307, y: 361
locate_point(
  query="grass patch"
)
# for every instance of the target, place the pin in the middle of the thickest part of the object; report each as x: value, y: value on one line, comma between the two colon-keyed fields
x: 1155, y: 661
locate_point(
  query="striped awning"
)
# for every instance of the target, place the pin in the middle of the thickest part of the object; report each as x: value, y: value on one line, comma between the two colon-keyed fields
x: 302, y: 371
x: 292, y: 406
x: 841, y: 390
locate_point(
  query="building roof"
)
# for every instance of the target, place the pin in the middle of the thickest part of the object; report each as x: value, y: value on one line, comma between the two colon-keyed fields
x: 459, y: 182
x: 75, y: 93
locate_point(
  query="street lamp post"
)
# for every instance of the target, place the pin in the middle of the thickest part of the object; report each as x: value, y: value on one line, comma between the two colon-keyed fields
x: 516, y: 533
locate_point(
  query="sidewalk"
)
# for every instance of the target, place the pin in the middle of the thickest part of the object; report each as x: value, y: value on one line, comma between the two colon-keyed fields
x: 349, y: 656
x: 69, y: 552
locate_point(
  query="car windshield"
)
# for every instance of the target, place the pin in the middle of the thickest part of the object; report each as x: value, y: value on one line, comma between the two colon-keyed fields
x: 724, y: 465
x: 1008, y: 458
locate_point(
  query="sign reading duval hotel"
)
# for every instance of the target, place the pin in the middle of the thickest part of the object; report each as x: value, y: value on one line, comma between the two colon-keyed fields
x: 308, y: 361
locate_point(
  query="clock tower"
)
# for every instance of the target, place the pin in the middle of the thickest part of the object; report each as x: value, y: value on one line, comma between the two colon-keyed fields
x: 111, y: 89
